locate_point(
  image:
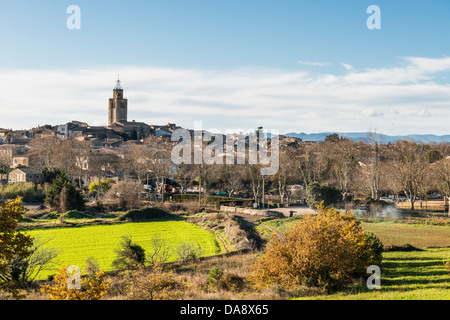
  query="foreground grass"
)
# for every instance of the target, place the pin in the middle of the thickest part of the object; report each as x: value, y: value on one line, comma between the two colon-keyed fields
x: 101, y: 241
x: 416, y: 275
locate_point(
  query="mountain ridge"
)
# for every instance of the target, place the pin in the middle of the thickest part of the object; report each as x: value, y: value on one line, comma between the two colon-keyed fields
x: 362, y: 136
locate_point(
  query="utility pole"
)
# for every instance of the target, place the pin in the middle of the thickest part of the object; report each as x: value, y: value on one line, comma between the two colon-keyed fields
x: 263, y: 194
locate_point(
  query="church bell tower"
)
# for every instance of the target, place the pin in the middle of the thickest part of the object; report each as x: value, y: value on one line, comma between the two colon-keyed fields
x: 118, y: 106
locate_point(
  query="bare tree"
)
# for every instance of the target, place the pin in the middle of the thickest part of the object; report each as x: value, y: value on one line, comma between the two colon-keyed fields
x: 160, y: 250
x: 343, y: 164
x: 374, y: 141
x: 441, y: 175
x: 312, y: 164
x: 256, y: 181
x: 409, y: 169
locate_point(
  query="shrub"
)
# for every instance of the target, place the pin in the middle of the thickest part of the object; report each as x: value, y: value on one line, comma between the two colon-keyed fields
x: 214, y: 276
x: 92, y: 266
x: 231, y: 282
x: 189, y: 252
x: 92, y: 288
x: 154, y: 285
x: 129, y: 255
x: 326, y: 251
x: 74, y: 214
x: 144, y: 214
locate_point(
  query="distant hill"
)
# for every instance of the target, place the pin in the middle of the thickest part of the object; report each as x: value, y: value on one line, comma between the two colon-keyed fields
x: 358, y: 136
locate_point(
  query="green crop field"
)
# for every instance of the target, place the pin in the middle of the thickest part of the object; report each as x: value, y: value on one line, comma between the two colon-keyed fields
x: 101, y: 241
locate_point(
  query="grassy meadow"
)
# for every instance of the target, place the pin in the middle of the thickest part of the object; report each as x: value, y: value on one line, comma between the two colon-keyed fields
x: 100, y: 241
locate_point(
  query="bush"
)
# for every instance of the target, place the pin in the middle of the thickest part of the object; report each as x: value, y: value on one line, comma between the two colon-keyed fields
x: 154, y: 285
x: 327, y: 251
x: 214, y: 276
x: 92, y: 288
x: 129, y: 255
x: 231, y: 282
x: 74, y: 214
x: 189, y: 252
x: 144, y: 214
x: 316, y: 193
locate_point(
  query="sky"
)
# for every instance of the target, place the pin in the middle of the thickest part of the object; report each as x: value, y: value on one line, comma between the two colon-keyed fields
x: 287, y: 65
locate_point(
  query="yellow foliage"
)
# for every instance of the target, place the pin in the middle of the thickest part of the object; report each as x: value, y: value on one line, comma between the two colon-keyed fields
x: 326, y: 250
x: 91, y: 288
x: 13, y: 244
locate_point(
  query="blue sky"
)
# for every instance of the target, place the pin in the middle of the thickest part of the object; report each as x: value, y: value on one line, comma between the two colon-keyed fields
x: 291, y: 65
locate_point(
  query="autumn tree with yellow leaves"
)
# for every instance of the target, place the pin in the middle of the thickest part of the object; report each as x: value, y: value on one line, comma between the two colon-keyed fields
x: 65, y: 286
x: 328, y: 251
x: 14, y: 245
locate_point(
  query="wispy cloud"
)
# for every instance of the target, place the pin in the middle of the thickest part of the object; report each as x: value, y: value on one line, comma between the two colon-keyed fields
x: 314, y: 63
x: 404, y: 99
x: 346, y: 66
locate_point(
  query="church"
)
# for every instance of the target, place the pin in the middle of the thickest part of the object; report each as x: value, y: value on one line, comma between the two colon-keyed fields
x: 118, y: 117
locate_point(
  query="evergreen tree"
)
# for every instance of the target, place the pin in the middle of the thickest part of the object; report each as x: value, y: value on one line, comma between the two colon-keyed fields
x: 62, y: 195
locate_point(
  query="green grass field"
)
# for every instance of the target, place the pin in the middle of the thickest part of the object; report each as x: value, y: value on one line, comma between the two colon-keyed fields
x: 390, y: 233
x: 100, y: 241
x: 415, y: 275
x: 417, y: 235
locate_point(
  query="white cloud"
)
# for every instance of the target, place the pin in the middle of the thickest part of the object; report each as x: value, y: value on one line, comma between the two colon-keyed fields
x: 313, y: 63
x: 346, y: 66
x: 245, y: 98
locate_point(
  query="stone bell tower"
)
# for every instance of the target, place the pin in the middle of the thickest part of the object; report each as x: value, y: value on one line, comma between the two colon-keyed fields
x: 118, y: 106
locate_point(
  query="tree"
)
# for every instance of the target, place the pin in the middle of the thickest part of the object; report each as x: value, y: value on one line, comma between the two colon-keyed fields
x: 374, y: 176
x: 42, y: 258
x: 183, y: 175
x: 160, y: 250
x: 105, y: 185
x: 153, y: 285
x: 409, y: 169
x: 432, y: 156
x: 91, y: 288
x: 334, y: 137
x: 13, y: 244
x: 101, y: 163
x: 441, y: 174
x: 231, y: 178
x: 130, y: 255
x: 327, y: 195
x: 312, y: 164
x: 326, y: 251
x: 343, y: 164
x: 62, y: 195
x: 256, y: 181
x: 285, y: 174
x: 125, y: 194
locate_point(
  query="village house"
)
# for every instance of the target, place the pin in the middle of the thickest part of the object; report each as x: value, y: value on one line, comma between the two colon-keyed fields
x: 26, y: 175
